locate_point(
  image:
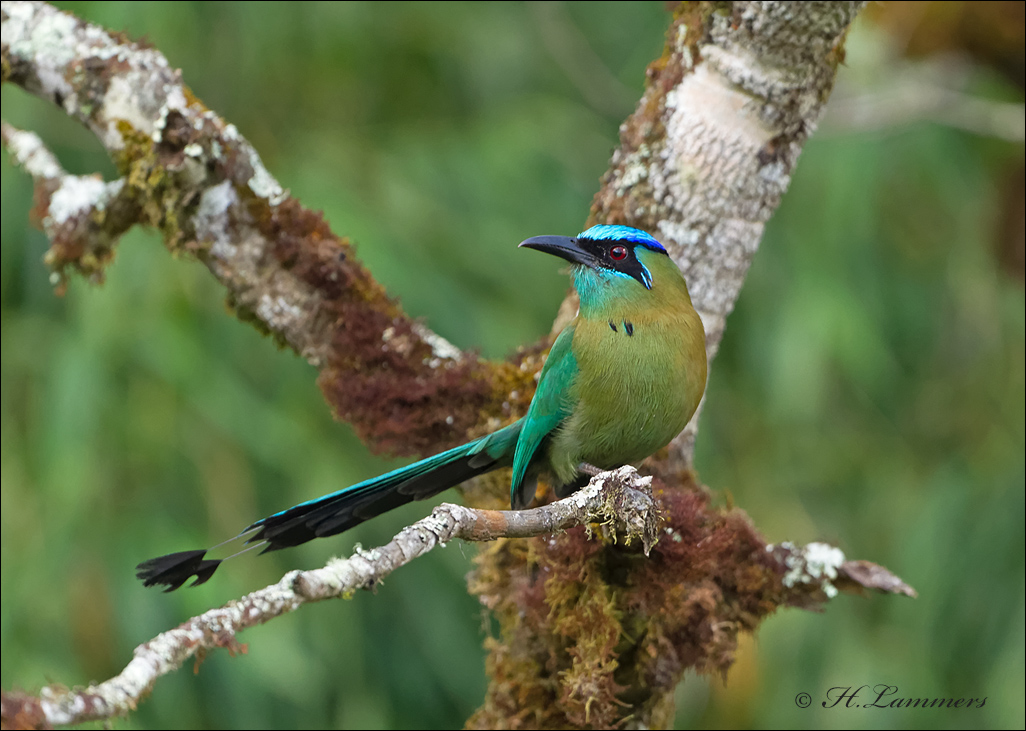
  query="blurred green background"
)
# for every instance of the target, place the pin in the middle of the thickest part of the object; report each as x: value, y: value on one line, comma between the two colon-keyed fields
x: 869, y: 391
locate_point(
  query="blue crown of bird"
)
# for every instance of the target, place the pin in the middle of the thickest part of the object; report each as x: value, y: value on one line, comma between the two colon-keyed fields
x: 620, y: 382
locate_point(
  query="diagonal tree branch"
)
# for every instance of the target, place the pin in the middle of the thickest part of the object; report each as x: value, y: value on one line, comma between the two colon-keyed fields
x: 620, y: 500
x: 191, y: 175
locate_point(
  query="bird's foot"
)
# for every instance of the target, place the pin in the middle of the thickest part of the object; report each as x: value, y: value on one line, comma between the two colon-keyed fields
x: 588, y: 469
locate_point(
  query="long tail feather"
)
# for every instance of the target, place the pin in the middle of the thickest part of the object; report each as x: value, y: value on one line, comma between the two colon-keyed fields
x: 346, y: 508
x: 340, y: 511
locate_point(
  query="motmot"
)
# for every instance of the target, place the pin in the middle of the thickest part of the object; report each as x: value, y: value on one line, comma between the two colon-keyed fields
x: 620, y: 381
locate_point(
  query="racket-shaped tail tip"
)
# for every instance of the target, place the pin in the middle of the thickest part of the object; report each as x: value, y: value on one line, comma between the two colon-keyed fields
x: 175, y: 569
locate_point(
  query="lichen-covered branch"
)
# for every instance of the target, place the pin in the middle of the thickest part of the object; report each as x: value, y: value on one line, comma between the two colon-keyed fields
x: 65, y: 207
x: 709, y: 151
x: 190, y: 174
x: 620, y: 501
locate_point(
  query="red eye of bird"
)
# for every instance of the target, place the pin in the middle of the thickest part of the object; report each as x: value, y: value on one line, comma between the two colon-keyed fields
x: 618, y: 253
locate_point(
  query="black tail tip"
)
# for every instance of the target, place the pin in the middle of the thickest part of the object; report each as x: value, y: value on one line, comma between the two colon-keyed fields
x: 175, y: 569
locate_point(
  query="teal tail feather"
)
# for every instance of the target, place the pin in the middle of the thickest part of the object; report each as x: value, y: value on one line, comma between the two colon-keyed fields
x: 340, y: 511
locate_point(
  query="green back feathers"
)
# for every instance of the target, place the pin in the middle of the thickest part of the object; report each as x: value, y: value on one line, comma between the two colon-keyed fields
x: 549, y: 407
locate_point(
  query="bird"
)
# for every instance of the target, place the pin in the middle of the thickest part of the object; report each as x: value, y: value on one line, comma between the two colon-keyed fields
x: 621, y: 380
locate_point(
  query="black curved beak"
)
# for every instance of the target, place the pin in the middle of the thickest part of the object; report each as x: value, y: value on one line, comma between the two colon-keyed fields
x: 564, y: 247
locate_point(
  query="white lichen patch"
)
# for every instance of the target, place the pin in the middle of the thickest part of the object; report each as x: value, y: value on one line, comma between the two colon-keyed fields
x: 56, y: 46
x: 633, y: 171
x: 77, y: 195
x: 277, y: 312
x: 712, y: 100
x: 823, y: 560
x: 681, y: 43
x: 816, y: 563
x: 47, y: 37
x: 441, y: 347
x: 30, y: 152
x: 121, y: 103
x: 263, y: 183
x: 211, y: 219
x: 679, y: 233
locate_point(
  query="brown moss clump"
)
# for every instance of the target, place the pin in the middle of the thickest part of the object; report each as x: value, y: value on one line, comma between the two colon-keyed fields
x: 379, y: 373
x: 594, y: 635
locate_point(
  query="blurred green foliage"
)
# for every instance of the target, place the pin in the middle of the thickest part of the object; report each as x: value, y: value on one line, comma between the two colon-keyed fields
x: 869, y: 391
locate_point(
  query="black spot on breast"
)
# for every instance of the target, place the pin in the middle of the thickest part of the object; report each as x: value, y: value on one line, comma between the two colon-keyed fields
x: 612, y: 326
x: 629, y: 327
